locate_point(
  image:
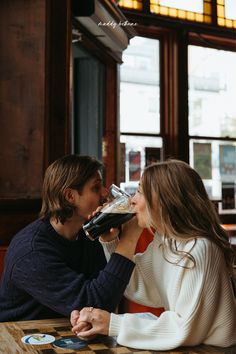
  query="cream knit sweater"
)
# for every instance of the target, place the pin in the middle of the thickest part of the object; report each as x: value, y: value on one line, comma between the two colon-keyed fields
x: 199, y: 302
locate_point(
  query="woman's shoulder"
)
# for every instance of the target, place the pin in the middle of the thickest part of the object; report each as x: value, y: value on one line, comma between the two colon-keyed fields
x: 207, y: 254
x: 206, y: 245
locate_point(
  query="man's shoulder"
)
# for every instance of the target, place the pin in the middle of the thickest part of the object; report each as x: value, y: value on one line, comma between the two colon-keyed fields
x: 26, y: 238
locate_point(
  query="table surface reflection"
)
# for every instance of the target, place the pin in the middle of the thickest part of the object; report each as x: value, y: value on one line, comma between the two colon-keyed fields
x: 12, y: 332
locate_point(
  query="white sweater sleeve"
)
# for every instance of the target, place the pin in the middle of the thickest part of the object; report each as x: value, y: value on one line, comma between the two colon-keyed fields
x: 141, y: 288
x: 201, y: 306
x: 109, y: 247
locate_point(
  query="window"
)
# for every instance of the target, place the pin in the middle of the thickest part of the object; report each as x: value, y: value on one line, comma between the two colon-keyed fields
x: 139, y: 109
x: 212, y: 113
x: 188, y: 108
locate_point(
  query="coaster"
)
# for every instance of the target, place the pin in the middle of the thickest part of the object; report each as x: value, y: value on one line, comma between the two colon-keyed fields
x: 38, y: 339
x: 70, y: 343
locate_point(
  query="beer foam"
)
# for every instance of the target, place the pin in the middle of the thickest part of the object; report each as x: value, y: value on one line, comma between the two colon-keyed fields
x: 118, y: 207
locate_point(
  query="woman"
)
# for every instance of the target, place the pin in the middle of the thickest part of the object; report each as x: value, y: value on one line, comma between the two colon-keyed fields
x: 186, y: 269
x: 51, y: 267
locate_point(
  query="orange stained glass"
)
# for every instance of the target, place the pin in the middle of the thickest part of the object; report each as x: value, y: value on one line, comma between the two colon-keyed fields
x: 132, y: 4
x: 226, y: 13
x: 157, y: 7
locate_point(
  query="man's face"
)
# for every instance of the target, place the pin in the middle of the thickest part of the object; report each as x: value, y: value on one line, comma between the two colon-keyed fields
x: 91, y: 196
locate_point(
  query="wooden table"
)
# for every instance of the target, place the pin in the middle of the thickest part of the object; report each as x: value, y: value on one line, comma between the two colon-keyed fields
x: 12, y: 332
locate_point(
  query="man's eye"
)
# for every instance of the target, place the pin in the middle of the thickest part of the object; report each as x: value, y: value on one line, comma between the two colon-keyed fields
x: 96, y: 189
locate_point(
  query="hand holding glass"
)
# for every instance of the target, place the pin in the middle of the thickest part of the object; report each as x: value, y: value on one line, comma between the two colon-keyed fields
x: 116, y: 212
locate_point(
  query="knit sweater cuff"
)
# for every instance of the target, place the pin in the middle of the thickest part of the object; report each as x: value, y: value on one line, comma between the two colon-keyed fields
x: 120, y: 266
x: 109, y: 247
x: 115, y: 323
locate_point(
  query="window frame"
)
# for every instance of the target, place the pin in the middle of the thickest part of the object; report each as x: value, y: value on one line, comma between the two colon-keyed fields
x: 174, y: 41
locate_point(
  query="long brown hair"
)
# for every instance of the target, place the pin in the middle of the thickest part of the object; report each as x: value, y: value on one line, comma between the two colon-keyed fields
x: 180, y: 209
x: 71, y: 171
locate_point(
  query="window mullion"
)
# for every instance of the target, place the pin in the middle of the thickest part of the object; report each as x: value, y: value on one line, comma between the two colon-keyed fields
x: 174, y: 95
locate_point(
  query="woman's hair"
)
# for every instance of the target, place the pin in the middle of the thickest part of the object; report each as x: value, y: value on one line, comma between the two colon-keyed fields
x: 71, y: 171
x: 180, y: 209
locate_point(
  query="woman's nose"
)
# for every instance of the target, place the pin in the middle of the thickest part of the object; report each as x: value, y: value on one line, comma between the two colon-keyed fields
x: 133, y: 199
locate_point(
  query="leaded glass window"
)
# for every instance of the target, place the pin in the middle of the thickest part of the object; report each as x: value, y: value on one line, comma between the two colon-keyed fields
x: 226, y: 13
x: 199, y: 11
x: 131, y: 4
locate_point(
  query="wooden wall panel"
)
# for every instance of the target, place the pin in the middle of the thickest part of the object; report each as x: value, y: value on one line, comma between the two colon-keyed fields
x: 22, y: 91
x: 35, y: 37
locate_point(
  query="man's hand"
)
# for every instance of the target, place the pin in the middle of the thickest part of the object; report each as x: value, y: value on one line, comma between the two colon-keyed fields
x: 74, y: 319
x: 74, y: 316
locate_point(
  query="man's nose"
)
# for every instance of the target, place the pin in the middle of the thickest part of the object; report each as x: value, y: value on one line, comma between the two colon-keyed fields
x: 104, y: 192
x: 104, y: 195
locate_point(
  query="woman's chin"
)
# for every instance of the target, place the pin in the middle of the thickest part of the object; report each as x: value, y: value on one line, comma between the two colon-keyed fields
x: 142, y: 224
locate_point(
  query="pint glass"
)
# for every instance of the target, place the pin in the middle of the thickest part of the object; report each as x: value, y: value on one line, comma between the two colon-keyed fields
x: 116, y: 212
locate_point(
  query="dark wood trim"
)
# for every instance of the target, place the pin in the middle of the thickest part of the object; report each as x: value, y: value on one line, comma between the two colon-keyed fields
x: 168, y: 111
x: 214, y: 12
x: 58, y: 93
x: 16, y: 214
x: 212, y: 41
x: 174, y: 90
x: 112, y: 129
x: 201, y: 137
x: 20, y: 205
x: 140, y: 134
x: 181, y: 46
x: 93, y: 45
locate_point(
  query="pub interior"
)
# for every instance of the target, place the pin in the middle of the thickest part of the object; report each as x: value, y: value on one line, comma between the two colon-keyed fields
x: 130, y: 82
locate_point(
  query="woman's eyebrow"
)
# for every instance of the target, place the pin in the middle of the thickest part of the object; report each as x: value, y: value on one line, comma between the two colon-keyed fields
x: 98, y: 179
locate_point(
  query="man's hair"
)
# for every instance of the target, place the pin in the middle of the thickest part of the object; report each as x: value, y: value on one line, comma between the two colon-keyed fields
x: 71, y: 171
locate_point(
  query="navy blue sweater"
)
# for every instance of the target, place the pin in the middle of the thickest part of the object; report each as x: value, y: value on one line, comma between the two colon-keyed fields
x: 46, y: 275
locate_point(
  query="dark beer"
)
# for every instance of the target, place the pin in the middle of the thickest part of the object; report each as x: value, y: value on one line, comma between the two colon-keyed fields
x: 102, y: 222
x: 113, y: 214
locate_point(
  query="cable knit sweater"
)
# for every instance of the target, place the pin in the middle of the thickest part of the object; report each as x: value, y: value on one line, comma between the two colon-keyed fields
x: 46, y: 276
x: 199, y: 301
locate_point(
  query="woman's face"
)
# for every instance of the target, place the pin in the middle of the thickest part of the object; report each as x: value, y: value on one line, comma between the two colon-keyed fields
x: 91, y: 196
x: 140, y: 207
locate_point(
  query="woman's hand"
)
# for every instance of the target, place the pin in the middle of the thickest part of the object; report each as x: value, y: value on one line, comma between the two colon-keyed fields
x: 112, y: 233
x: 97, y: 319
x: 129, y: 238
x: 131, y: 230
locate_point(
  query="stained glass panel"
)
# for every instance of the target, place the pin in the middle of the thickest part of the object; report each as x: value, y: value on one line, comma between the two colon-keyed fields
x: 195, y: 11
x: 226, y: 13
x: 198, y: 10
x: 131, y: 4
x: 186, y: 5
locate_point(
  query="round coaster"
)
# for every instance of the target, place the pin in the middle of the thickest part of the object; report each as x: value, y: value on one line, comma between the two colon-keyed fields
x: 70, y: 343
x: 38, y: 339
